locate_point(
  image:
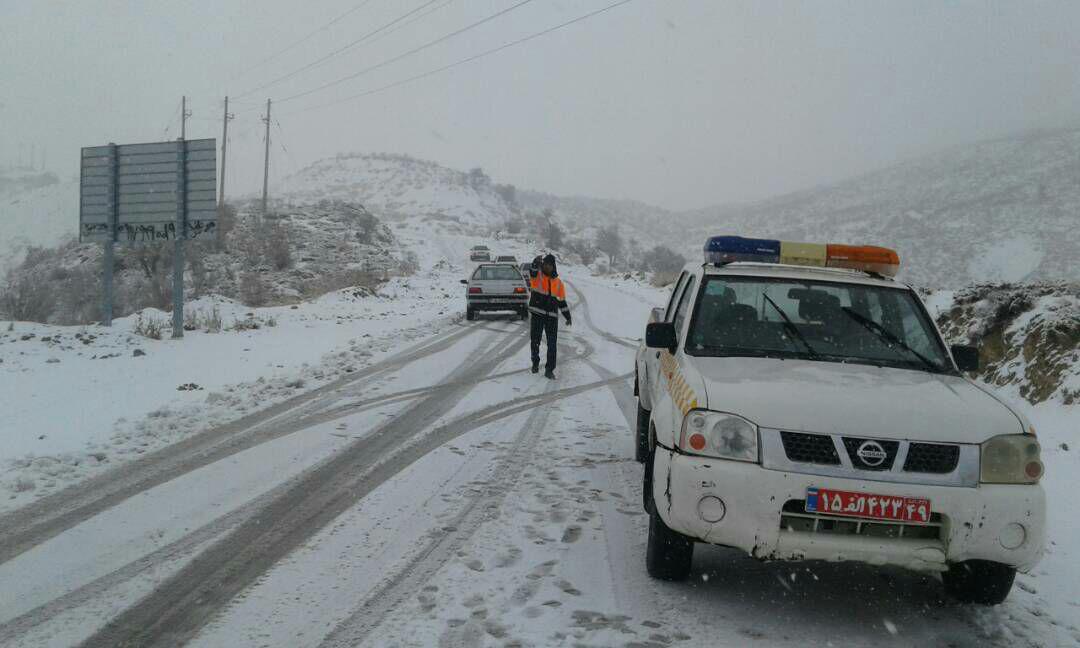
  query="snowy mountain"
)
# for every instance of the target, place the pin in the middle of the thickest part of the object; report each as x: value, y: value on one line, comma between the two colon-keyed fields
x: 37, y: 208
x: 1000, y: 210
x: 398, y: 186
x: 583, y: 214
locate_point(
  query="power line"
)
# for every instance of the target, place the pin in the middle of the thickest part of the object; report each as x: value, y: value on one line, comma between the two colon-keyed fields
x: 409, y: 22
x: 338, y: 51
x: 168, y: 124
x: 463, y: 61
x: 415, y: 50
x: 304, y: 39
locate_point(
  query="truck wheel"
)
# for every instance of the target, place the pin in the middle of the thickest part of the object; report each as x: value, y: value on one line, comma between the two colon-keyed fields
x: 470, y: 314
x: 668, y: 554
x: 642, y: 435
x: 979, y: 581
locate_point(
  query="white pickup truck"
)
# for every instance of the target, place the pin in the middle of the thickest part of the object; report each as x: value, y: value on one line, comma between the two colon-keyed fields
x: 796, y: 403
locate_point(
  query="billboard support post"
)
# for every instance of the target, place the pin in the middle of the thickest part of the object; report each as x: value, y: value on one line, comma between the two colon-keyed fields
x: 178, y: 242
x: 110, y: 241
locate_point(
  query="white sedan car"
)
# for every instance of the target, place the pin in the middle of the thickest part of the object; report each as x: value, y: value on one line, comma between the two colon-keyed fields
x: 801, y: 413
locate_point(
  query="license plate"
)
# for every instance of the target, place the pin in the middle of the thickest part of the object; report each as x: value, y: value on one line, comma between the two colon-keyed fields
x: 910, y: 510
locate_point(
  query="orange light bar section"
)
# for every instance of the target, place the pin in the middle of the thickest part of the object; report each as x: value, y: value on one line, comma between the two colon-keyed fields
x: 868, y: 258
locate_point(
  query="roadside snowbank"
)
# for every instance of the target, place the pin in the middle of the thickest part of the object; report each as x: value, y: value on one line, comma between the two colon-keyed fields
x: 80, y: 399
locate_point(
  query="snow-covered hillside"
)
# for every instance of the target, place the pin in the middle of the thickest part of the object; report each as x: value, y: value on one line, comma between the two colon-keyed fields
x: 1000, y: 210
x: 581, y: 215
x: 36, y: 209
x: 1028, y: 334
x: 393, y: 186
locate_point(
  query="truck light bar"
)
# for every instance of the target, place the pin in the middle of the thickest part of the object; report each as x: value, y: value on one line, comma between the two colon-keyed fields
x: 867, y: 258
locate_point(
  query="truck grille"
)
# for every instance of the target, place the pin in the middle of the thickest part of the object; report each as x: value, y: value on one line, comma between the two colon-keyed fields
x: 869, y: 458
x: 810, y: 448
x: 932, y: 458
x: 795, y: 519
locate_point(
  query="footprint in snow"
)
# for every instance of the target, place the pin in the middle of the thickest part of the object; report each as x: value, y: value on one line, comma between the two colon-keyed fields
x: 571, y: 534
x: 508, y: 558
x: 475, y: 565
x: 568, y: 588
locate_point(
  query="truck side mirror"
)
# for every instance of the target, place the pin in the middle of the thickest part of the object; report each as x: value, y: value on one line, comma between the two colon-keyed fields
x: 660, y: 335
x: 465, y: 281
x: 966, y: 357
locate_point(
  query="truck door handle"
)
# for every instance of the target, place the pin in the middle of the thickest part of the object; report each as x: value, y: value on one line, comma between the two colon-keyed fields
x: 657, y: 354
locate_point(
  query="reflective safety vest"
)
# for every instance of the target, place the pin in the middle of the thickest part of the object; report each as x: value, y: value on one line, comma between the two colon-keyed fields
x: 548, y: 296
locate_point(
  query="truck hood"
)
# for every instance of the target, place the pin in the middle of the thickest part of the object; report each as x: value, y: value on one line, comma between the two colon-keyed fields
x: 854, y: 400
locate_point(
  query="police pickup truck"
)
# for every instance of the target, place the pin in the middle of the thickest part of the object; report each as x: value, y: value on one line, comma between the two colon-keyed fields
x: 797, y: 403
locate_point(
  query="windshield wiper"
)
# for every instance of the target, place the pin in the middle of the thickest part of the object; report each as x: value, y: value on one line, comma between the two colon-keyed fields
x: 888, y: 337
x: 790, y: 326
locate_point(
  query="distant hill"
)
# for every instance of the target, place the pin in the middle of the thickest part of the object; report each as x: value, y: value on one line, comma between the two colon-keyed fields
x: 392, y: 186
x: 1000, y: 210
x: 36, y: 208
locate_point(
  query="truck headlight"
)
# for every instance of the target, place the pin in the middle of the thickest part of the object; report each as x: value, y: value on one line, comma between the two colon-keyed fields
x: 1011, y: 459
x: 720, y: 435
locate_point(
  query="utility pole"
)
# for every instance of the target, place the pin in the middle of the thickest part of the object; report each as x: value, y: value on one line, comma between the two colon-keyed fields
x: 266, y: 160
x: 184, y: 114
x: 224, y: 140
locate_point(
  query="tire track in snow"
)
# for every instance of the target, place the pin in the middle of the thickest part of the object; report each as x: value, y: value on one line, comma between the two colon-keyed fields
x: 187, y: 600
x: 396, y: 588
x: 189, y: 543
x: 39, y: 521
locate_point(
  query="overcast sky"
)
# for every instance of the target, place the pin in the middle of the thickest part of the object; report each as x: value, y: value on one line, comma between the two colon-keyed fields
x: 680, y: 103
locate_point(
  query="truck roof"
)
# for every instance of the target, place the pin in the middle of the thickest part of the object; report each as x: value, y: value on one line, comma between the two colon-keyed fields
x: 778, y: 271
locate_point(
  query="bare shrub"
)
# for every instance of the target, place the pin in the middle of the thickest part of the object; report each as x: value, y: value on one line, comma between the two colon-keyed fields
x: 583, y: 249
x: 253, y: 323
x: 277, y: 249
x: 367, y: 280
x: 149, y: 327
x: 27, y: 297
x: 662, y: 259
x: 212, y: 323
x: 78, y: 296
x: 226, y: 223
x: 662, y: 279
x: 253, y: 290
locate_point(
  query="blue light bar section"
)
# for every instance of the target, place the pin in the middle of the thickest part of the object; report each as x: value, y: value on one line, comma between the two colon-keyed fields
x: 729, y: 249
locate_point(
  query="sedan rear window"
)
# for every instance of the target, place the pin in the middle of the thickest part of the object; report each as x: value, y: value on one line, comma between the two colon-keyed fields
x: 495, y: 273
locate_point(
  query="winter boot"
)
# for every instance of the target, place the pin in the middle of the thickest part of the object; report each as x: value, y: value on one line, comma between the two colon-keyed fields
x: 536, y: 368
x: 549, y: 374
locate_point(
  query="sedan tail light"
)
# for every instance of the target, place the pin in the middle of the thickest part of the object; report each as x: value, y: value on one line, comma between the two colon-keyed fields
x: 475, y: 290
x: 520, y: 290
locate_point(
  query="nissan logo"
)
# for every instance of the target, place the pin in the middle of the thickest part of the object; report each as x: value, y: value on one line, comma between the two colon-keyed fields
x: 871, y: 453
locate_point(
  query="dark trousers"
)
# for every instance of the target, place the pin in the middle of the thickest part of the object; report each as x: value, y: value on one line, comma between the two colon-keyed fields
x: 539, y: 325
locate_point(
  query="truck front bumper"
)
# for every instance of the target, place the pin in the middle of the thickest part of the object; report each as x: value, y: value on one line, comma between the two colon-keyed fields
x: 760, y: 512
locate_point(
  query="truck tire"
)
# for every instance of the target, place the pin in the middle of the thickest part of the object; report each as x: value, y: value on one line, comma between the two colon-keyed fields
x: 668, y: 554
x: 979, y: 581
x: 470, y: 314
x: 641, y: 437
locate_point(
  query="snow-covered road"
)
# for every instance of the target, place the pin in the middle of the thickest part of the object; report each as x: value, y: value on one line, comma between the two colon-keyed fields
x: 443, y: 496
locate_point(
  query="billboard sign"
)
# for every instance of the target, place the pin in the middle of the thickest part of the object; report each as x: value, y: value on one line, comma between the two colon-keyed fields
x: 148, y: 193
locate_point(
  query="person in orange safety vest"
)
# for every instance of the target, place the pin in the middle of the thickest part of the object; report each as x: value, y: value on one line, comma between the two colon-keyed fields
x: 546, y: 301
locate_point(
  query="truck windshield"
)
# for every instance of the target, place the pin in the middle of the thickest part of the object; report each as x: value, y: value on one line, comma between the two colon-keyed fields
x: 818, y: 320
